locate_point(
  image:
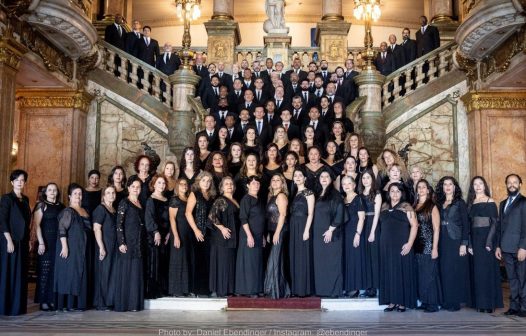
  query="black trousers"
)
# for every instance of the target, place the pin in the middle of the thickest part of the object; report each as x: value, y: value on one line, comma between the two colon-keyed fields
x: 516, y: 272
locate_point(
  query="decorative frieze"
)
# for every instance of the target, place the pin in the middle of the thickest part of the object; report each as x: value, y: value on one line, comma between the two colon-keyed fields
x: 54, y: 99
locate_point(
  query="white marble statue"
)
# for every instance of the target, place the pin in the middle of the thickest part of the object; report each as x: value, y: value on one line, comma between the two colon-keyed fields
x: 275, y: 24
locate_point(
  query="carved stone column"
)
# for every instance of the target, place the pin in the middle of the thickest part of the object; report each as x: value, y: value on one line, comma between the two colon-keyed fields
x: 372, y: 121
x: 331, y: 34
x: 11, y: 53
x: 223, y: 33
x: 112, y: 7
x: 441, y: 15
x: 181, y: 127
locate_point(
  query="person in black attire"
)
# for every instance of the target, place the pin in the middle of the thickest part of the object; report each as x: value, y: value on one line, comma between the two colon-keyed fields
x: 210, y: 132
x: 485, y: 269
x: 235, y: 133
x: 224, y: 78
x: 115, y: 34
x: 397, y: 264
x: 142, y: 168
x: 71, y: 263
x: 132, y: 38
x: 249, y: 261
x: 117, y: 178
x: 397, y: 53
x: 147, y: 49
x: 15, y: 216
x: 168, y: 62
x: 296, y: 68
x: 327, y: 243
x: 129, y: 278
x: 321, y: 130
x: 452, y: 248
x: 45, y: 220
x: 409, y: 46
x: 511, y: 243
x: 384, y: 60
x: 105, y: 227
x: 92, y: 193
x: 427, y: 38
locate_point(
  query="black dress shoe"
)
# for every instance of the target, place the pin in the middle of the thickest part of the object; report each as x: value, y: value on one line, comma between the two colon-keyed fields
x: 390, y: 309
x: 522, y: 313
x: 453, y: 309
x: 430, y: 310
x: 355, y: 295
x: 490, y: 311
x: 511, y: 312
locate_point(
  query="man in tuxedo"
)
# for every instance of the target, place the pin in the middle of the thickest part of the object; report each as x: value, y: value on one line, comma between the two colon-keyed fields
x: 511, y: 243
x: 308, y: 97
x: 296, y: 67
x: 199, y: 67
x: 279, y: 98
x: 260, y: 95
x: 292, y: 86
x: 263, y: 129
x: 115, y: 34
x: 168, y: 62
x: 299, y: 114
x: 271, y: 115
x: 324, y: 72
x: 248, y: 83
x: 210, y: 96
x: 321, y: 130
x: 147, y: 47
x: 383, y: 61
x: 210, y: 131
x: 409, y: 46
x: 248, y: 102
x: 132, y: 38
x: 244, y: 120
x: 222, y: 112
x: 293, y: 131
x: 319, y: 90
x: 235, y: 134
x: 427, y: 38
x: 224, y: 78
x: 397, y: 53
x: 235, y: 97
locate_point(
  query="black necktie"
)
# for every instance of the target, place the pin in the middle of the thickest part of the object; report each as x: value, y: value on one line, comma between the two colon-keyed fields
x: 278, y: 103
x: 305, y: 95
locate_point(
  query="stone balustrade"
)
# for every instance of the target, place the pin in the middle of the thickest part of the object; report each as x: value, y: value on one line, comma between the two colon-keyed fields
x: 418, y: 73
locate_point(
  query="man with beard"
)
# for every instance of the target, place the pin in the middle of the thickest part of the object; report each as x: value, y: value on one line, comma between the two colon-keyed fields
x: 511, y: 243
x: 409, y: 46
x: 325, y: 74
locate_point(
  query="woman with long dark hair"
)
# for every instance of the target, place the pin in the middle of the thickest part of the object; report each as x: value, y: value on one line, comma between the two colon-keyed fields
x: 349, y: 170
x: 426, y: 248
x: 201, y: 151
x: 290, y: 163
x: 250, y: 168
x: 217, y: 166
x: 485, y: 270
x: 270, y: 165
x: 308, y: 138
x: 117, y: 179
x: 365, y: 163
x: 333, y: 157
x: 222, y: 140
x: 452, y: 247
x: 45, y: 219
x: 142, y: 169
x: 251, y: 142
x: 235, y: 158
x: 353, y: 144
x: 189, y: 166
x: 338, y: 135
x: 313, y: 169
x: 339, y: 116
x: 170, y: 173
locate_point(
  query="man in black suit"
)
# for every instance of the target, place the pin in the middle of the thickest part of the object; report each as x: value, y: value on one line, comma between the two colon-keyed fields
x: 260, y: 94
x: 349, y: 73
x: 248, y: 83
x: 248, y: 102
x: 199, y: 67
x: 308, y: 97
x: 235, y: 133
x: 235, y: 96
x: 319, y: 89
x: 168, y: 62
x: 383, y: 61
x: 271, y: 115
x: 132, y: 38
x: 321, y: 130
x: 257, y: 73
x: 293, y: 131
x: 397, y: 53
x: 511, y: 243
x: 263, y: 129
x: 210, y: 96
x: 269, y: 64
x: 115, y: 34
x: 427, y: 38
x: 296, y: 67
x: 244, y: 120
x: 279, y: 98
x: 210, y: 131
x: 409, y: 46
x: 224, y: 78
x: 147, y: 47
x: 299, y: 112
x: 292, y: 86
x: 324, y: 72
x: 222, y: 111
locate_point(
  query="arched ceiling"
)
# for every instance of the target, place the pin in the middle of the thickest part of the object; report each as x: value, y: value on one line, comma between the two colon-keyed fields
x: 162, y: 12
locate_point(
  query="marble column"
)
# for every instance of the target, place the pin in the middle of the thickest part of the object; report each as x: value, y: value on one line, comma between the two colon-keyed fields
x: 112, y: 7
x: 11, y: 53
x: 372, y: 128
x: 223, y: 34
x: 223, y: 10
x: 331, y: 34
x: 441, y: 16
x: 181, y: 127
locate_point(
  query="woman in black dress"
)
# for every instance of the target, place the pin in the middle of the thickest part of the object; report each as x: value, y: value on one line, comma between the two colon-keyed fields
x: 92, y: 193
x: 170, y: 173
x: 395, y: 176
x: 349, y: 170
x: 338, y: 136
x: 197, y: 209
x: 249, y: 260
x: 182, y: 247
x: 415, y: 176
x: 131, y: 238
x: 353, y: 143
x: 385, y: 161
x: 142, y: 168
x: 224, y: 216
x: 333, y: 157
x: 397, y: 267
x: 365, y: 163
x: 300, y: 242
x: 250, y: 168
x: 354, y: 267
x: 296, y: 146
x: 327, y: 243
x: 105, y: 227
x: 270, y: 165
x: 201, y: 151
x: 281, y: 140
x: 217, y: 166
x: 117, y: 179
x: 426, y: 248
x: 339, y: 116
x: 372, y: 201
x: 158, y: 234
x: 308, y: 139
x: 15, y: 215
x: 313, y: 169
x: 452, y: 246
x: 251, y: 141
x: 45, y: 219
x: 276, y: 285
x: 222, y: 140
x: 485, y: 271
x: 189, y: 166
x: 234, y: 158
x: 290, y: 164
x: 71, y: 263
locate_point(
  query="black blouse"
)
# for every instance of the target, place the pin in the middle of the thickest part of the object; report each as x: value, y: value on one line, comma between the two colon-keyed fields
x: 224, y: 212
x: 130, y: 228
x: 252, y: 212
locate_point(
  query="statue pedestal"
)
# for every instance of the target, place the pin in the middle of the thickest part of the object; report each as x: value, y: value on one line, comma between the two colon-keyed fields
x: 277, y: 47
x: 223, y: 37
x: 331, y: 37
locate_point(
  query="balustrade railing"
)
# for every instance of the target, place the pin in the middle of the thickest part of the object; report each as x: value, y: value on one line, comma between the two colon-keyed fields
x: 422, y: 71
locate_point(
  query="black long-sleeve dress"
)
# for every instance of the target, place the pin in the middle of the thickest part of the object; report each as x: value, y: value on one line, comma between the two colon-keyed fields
x: 397, y: 272
x: 354, y: 263
x: 485, y: 272
x: 454, y: 269
x: 249, y: 260
x: 372, y: 250
x: 44, y: 292
x: 276, y: 285
x: 90, y: 201
x: 223, y: 251
x: 179, y: 277
x: 328, y: 277
x: 71, y: 273
x: 300, y: 251
x: 104, y: 289
x: 145, y: 189
x: 15, y: 216
x: 201, y: 268
x: 157, y: 257
x: 129, y: 280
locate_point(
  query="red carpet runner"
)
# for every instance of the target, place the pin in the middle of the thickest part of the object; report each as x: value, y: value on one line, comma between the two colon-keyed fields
x: 311, y: 303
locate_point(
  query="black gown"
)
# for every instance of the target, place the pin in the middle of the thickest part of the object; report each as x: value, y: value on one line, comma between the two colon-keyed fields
x: 129, y: 279
x: 276, y: 285
x: 397, y: 272
x: 354, y: 263
x: 71, y: 273
x: 313, y: 177
x: 266, y: 176
x: 157, y: 257
x: 485, y: 270
x: 104, y: 289
x: 44, y: 292
x: 91, y: 200
x: 119, y: 196
x: 201, y: 268
x: 249, y: 260
x: 328, y: 277
x: 145, y: 189
x: 372, y: 250
x: 223, y: 251
x: 15, y: 216
x: 300, y: 251
x: 190, y: 180
x: 234, y: 168
x: 179, y: 277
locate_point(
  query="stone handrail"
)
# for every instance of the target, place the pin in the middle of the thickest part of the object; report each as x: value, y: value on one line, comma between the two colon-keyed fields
x: 418, y: 73
x: 132, y: 70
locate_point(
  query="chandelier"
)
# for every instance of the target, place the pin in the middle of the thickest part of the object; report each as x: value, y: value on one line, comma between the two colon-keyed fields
x: 367, y: 8
x: 188, y: 9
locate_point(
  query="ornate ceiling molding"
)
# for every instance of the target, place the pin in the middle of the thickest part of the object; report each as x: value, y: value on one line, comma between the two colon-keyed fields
x: 494, y: 100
